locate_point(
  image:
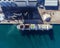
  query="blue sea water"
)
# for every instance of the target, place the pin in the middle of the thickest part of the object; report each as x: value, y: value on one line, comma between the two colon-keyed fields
x: 10, y: 37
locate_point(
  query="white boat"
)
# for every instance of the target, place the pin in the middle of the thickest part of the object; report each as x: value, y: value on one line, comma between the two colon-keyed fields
x: 34, y: 27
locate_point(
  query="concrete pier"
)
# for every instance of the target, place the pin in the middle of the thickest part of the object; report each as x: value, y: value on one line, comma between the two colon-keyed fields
x: 55, y: 15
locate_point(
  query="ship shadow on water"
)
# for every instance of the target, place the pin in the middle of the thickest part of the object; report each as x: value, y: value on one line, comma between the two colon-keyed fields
x: 38, y: 32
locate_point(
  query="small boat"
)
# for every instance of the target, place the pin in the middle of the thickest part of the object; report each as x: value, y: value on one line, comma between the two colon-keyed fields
x: 34, y: 27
